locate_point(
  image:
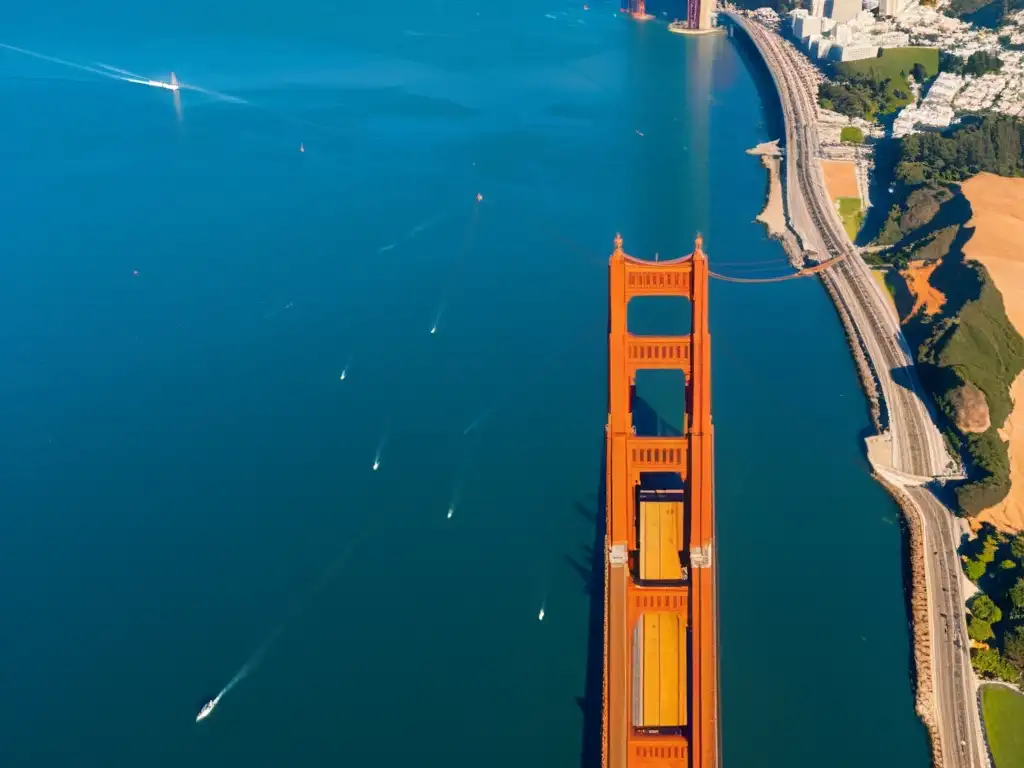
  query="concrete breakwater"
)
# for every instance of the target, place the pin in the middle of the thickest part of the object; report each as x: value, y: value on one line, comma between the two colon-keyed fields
x: 924, y: 686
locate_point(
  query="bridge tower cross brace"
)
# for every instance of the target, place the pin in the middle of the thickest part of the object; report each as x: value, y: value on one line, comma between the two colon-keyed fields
x: 692, y: 457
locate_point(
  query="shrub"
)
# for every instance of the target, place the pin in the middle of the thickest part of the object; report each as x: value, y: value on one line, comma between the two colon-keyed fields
x: 852, y: 135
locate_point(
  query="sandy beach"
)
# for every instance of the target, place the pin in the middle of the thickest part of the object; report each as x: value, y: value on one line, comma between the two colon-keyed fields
x: 774, y: 214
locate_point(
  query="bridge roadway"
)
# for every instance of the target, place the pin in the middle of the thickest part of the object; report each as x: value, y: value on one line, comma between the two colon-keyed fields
x: 911, y: 451
x: 660, y: 681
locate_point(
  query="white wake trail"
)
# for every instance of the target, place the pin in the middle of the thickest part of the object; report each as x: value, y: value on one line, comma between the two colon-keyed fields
x: 256, y: 659
x: 252, y: 663
x: 214, y: 94
x: 119, y: 71
x: 183, y: 86
x: 62, y: 62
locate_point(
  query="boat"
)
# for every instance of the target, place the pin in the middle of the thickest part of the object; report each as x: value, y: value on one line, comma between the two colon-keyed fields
x: 207, y: 709
x: 166, y: 86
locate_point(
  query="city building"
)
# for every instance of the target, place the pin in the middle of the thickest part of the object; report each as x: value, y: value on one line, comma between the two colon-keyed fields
x: 891, y: 7
x: 842, y: 10
x: 699, y: 13
x: 936, y: 109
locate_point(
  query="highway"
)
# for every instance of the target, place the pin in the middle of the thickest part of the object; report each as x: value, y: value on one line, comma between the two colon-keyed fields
x: 954, y: 689
x: 910, y: 452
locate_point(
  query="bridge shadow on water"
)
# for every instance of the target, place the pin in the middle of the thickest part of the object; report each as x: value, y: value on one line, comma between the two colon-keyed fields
x: 591, y: 572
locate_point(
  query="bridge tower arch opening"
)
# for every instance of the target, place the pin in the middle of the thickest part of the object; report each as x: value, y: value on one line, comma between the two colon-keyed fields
x: 660, y: 667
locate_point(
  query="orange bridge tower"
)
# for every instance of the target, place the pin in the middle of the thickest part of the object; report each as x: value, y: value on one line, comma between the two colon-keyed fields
x: 638, y: 10
x: 660, y: 686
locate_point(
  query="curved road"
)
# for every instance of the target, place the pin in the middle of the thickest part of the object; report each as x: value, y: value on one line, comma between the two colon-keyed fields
x: 916, y: 451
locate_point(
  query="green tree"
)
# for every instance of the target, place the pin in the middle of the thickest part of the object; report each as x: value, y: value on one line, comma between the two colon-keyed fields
x: 983, y: 609
x: 989, y: 547
x: 912, y: 173
x: 1017, y: 546
x: 1007, y: 564
x: 974, y: 569
x: 988, y: 663
x: 981, y: 62
x: 852, y: 135
x: 919, y: 73
x: 1013, y: 645
x: 1016, y: 595
x: 979, y: 630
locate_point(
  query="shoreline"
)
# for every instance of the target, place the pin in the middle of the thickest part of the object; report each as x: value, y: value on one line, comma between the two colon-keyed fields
x: 937, y: 609
x: 773, y: 215
x: 915, y: 560
x: 920, y: 627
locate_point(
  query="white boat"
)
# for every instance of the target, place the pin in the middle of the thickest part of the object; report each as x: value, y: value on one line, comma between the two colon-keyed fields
x: 159, y: 84
x: 207, y: 709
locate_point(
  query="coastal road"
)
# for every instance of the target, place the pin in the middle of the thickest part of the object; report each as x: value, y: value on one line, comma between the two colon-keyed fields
x: 956, y: 710
x: 911, y: 450
x: 916, y: 445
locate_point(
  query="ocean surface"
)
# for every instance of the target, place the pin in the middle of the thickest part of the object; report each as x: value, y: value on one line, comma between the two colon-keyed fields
x: 186, y: 482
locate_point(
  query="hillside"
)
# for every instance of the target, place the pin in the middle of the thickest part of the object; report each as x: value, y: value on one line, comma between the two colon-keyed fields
x: 955, y: 315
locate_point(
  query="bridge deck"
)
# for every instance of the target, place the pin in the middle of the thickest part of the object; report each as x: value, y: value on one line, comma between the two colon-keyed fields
x: 661, y: 540
x: 660, y: 661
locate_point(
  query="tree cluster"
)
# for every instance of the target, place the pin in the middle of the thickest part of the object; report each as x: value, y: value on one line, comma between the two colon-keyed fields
x: 857, y: 96
x: 992, y: 144
x: 995, y: 563
x: 958, y: 8
x: 978, y: 63
x: 978, y: 344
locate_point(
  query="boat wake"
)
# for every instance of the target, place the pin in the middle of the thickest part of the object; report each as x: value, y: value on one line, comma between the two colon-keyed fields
x: 300, y: 608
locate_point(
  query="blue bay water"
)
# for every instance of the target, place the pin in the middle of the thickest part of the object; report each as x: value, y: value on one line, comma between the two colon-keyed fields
x: 181, y: 461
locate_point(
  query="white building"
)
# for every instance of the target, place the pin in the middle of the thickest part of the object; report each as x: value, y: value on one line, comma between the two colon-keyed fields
x: 857, y: 51
x: 893, y: 40
x: 891, y: 7
x: 805, y: 26
x: 936, y: 110
x: 842, y: 10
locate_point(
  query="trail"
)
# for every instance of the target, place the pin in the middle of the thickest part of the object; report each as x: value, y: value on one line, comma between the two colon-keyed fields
x: 478, y: 421
x: 135, y: 77
x: 419, y: 228
x: 111, y: 72
x: 54, y: 60
x: 456, y: 268
x: 380, y: 446
x: 122, y: 75
x: 124, y: 72
x: 300, y: 608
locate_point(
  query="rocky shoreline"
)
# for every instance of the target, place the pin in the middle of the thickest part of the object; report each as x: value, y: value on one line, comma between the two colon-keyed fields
x: 924, y: 692
x: 868, y: 378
